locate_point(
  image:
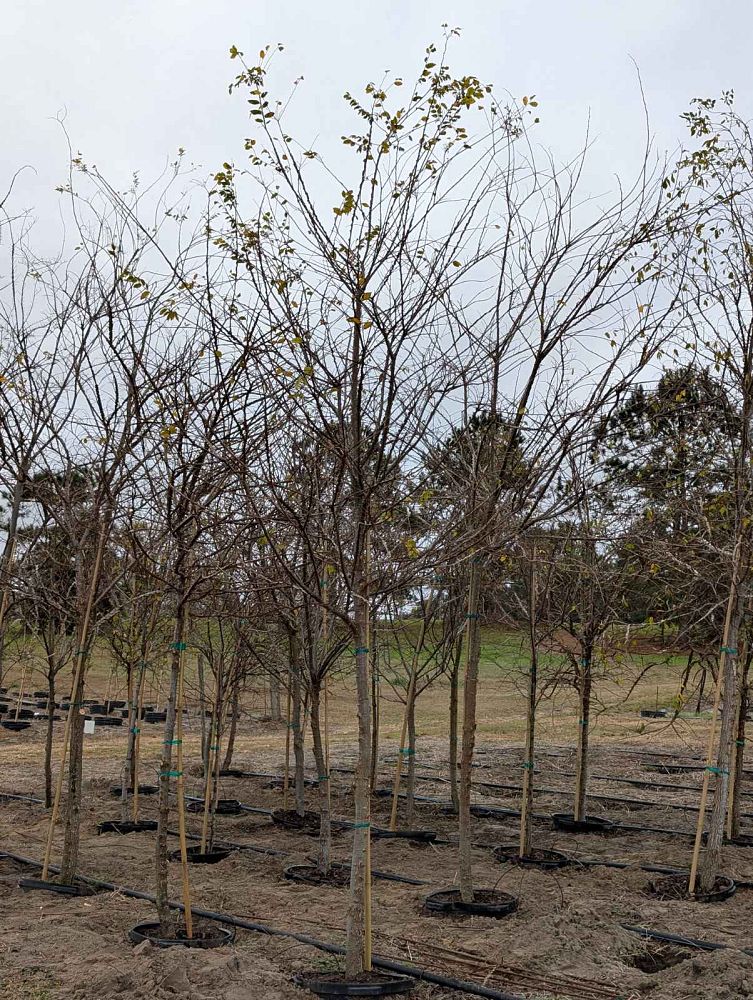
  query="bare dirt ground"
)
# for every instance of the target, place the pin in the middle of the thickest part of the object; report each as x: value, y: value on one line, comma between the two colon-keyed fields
x: 565, y: 940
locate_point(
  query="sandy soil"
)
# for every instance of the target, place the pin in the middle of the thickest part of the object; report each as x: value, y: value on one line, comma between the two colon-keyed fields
x: 564, y: 941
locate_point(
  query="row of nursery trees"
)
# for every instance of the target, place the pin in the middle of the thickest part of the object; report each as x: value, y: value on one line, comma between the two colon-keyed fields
x: 271, y: 417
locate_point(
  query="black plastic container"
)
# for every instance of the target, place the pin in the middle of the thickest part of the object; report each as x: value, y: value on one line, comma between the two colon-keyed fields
x: 208, y: 935
x: 369, y: 984
x: 486, y: 903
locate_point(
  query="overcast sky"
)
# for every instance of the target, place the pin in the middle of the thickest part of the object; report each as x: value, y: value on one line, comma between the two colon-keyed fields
x: 136, y: 79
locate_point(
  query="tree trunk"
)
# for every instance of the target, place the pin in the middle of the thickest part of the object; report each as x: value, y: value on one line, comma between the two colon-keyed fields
x: 325, y: 826
x: 165, y: 914
x: 703, y: 871
x: 470, y: 687
x: 358, y: 924
x: 708, y: 868
x: 275, y: 706
x: 69, y: 862
x: 584, y: 704
x: 453, y: 749
x: 733, y: 817
x: 234, y: 708
x: 129, y: 778
x: 526, y: 803
x: 297, y: 728
x: 49, y: 732
x: 410, y: 783
x: 374, y: 655
x: 205, y: 737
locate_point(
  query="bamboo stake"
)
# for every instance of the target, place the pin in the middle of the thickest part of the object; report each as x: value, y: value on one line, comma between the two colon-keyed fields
x: 180, y: 791
x: 80, y: 661
x: 712, y: 731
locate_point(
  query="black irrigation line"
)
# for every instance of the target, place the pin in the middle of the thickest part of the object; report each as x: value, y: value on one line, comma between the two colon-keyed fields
x: 12, y: 796
x: 235, y: 846
x: 652, y: 935
x: 475, y: 989
x: 497, y: 786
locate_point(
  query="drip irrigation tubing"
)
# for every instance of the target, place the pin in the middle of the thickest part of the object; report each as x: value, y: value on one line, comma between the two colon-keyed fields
x: 234, y: 846
x: 475, y: 989
x: 646, y: 932
x: 498, y: 786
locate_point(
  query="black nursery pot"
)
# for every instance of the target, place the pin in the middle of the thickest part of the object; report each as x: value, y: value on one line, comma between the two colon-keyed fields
x: 26, y: 713
x: 195, y: 856
x: 15, y: 726
x: 105, y: 720
x: 420, y: 836
x: 225, y: 807
x: 589, y: 824
x: 338, y: 875
x: 368, y: 984
x: 675, y: 887
x: 741, y: 840
x: 486, y: 903
x: 205, y: 935
x: 127, y: 826
x: 155, y: 716
x: 116, y: 791
x: 309, y: 823
x: 538, y: 857
x: 75, y: 890
x: 232, y: 772
x: 653, y: 713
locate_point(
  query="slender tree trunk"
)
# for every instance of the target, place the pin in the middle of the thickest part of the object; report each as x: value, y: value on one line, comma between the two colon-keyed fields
x: 453, y: 748
x: 374, y: 656
x: 358, y: 925
x: 165, y: 914
x: 69, y: 862
x: 233, y: 728
x: 49, y: 732
x: 325, y: 826
x: 275, y: 706
x: 581, y: 761
x: 205, y: 738
x: 128, y: 779
x: 6, y: 559
x: 470, y: 688
x: 708, y: 868
x: 410, y: 784
x: 526, y: 804
x: 296, y: 706
x: 733, y: 816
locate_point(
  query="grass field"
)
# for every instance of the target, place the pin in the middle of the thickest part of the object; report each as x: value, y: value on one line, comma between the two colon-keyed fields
x: 501, y: 700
